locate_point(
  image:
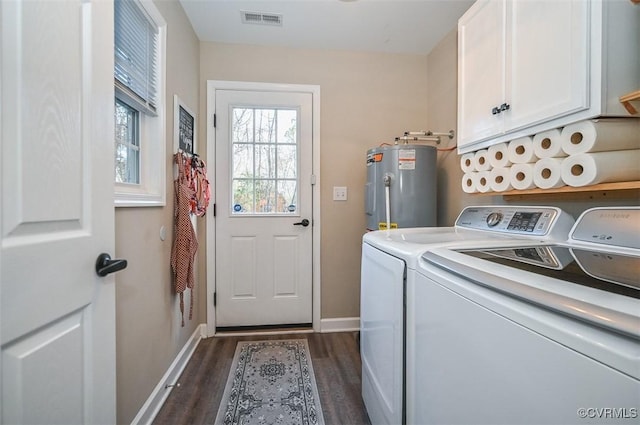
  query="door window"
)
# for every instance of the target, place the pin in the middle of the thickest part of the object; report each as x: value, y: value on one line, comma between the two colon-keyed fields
x: 264, y: 172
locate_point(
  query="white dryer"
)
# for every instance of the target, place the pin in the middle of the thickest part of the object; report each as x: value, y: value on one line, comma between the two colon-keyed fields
x: 389, y: 259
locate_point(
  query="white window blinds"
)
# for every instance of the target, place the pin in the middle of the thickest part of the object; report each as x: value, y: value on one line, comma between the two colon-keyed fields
x: 136, y: 46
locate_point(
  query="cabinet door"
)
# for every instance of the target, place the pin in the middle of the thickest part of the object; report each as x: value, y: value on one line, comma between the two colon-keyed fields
x: 547, y: 61
x: 481, y: 64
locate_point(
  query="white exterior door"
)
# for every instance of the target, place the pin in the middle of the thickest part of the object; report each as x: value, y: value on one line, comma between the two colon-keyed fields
x: 56, y: 212
x: 264, y: 219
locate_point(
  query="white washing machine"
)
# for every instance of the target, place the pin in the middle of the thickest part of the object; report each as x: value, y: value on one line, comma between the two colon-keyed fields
x: 535, y: 334
x: 388, y: 268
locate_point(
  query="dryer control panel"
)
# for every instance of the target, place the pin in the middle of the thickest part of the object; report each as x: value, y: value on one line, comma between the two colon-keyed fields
x: 531, y: 221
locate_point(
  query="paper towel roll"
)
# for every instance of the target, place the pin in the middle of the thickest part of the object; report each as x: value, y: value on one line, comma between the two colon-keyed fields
x: 601, y: 136
x: 467, y: 162
x: 499, y: 155
x: 521, y: 151
x: 482, y: 160
x: 483, y: 181
x: 500, y: 179
x: 547, y: 173
x: 521, y: 176
x: 601, y: 167
x: 469, y: 182
x: 548, y: 144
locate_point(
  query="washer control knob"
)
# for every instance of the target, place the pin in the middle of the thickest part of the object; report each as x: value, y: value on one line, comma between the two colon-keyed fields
x: 493, y: 219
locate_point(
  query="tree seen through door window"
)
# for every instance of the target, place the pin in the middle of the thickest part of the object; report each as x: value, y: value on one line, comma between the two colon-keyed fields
x: 264, y: 161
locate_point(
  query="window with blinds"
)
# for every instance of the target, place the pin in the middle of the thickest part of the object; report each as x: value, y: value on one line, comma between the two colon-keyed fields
x: 136, y: 49
x: 140, y: 43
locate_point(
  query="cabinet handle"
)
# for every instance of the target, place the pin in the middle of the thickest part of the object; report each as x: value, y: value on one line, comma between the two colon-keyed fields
x: 495, y: 110
x: 505, y: 107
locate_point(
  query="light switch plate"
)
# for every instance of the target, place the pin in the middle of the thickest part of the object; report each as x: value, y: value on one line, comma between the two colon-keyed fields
x: 339, y: 193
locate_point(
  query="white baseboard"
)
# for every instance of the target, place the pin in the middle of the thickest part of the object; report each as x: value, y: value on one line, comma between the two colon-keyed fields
x: 340, y: 324
x: 152, y: 406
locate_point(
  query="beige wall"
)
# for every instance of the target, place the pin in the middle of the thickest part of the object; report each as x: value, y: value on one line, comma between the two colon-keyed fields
x: 442, y: 107
x: 148, y: 331
x: 366, y: 99
x: 442, y: 111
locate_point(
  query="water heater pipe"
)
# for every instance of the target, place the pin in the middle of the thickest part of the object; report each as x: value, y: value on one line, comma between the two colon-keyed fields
x: 424, y: 136
x: 387, y: 187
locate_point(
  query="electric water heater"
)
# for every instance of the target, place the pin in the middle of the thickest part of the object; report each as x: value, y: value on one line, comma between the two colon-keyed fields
x: 401, y: 187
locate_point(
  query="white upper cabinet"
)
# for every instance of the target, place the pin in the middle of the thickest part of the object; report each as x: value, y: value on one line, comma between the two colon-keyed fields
x: 526, y: 66
x: 547, y: 61
x: 481, y: 70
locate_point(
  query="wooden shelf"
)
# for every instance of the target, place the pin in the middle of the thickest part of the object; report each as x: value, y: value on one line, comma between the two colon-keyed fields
x: 628, y: 98
x: 616, y: 190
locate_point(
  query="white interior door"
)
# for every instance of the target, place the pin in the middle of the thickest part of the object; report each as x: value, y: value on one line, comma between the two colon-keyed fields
x: 264, y: 208
x: 56, y: 212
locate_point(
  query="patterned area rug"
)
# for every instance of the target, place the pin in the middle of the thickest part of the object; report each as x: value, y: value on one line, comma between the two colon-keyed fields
x: 271, y: 382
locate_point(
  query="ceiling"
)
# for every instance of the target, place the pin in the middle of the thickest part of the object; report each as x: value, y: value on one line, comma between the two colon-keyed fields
x: 393, y: 26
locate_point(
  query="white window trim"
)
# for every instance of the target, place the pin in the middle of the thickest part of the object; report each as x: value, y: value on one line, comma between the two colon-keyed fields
x: 151, y: 192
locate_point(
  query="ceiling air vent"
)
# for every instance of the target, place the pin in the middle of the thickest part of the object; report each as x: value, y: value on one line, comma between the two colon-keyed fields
x: 261, y: 18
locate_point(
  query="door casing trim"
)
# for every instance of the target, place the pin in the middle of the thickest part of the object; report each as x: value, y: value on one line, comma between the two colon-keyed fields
x: 314, y: 90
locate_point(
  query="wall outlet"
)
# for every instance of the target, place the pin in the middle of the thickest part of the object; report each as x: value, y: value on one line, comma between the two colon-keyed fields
x: 339, y: 193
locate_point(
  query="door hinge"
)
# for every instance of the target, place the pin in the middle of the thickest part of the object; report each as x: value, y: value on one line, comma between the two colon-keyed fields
x: 214, y: 210
x: 214, y: 299
x: 215, y: 120
x: 313, y: 179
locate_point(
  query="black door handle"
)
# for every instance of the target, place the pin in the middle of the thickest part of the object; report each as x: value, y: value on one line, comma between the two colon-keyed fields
x: 303, y: 223
x: 105, y: 265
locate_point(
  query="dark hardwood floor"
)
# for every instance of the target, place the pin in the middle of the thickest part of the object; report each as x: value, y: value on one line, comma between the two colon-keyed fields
x: 336, y: 363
